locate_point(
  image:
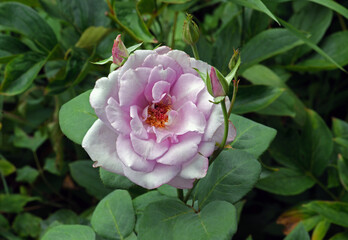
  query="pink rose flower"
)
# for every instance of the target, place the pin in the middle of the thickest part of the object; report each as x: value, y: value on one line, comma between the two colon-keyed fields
x: 156, y: 122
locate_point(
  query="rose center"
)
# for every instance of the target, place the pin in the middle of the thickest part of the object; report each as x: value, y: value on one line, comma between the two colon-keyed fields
x: 157, y: 115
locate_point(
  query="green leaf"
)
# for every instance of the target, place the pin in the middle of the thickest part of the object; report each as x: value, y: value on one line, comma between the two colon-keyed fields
x: 14, y: 203
x: 257, y: 5
x: 310, y: 43
x: 51, y: 166
x: 64, y: 216
x: 298, y: 233
x: 22, y: 140
x: 316, y: 144
x: 26, y: 225
x: 25, y: 20
x: 340, y: 236
x: 104, y: 61
x: 229, y: 178
x: 320, y: 230
x: 76, y: 117
x: 267, y: 44
x: 286, y: 182
x: 6, y: 168
x: 27, y: 174
x: 334, y: 212
x: 251, y: 137
x: 332, y: 46
x: 333, y: 6
x: 114, y: 181
x: 70, y: 232
x: 342, y: 165
x: 262, y: 75
x: 282, y: 106
x: 173, y: 220
x: 86, y: 176
x: 20, y: 73
x: 91, y: 37
x: 114, y: 215
x: 4, y: 224
x: 131, y: 21
x: 255, y: 97
x: 340, y: 131
x: 10, y: 47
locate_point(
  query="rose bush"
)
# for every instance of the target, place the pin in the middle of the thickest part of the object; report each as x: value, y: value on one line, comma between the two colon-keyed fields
x: 157, y: 124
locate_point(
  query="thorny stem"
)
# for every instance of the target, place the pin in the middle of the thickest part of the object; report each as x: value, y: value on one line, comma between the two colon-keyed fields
x: 195, y: 51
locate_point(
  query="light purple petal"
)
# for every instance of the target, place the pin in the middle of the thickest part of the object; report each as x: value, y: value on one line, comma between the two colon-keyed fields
x: 232, y: 133
x: 183, y: 151
x: 186, y: 88
x: 132, y: 85
x: 118, y: 119
x: 148, y: 148
x: 206, y: 148
x: 200, y: 65
x: 136, y: 123
x: 130, y: 158
x: 196, y: 168
x: 135, y: 60
x: 204, y: 104
x: 162, y: 60
x: 160, y: 175
x: 214, y: 122
x: 162, y: 50
x: 189, y: 119
x: 158, y: 74
x: 159, y: 89
x: 100, y: 144
x: 182, y: 183
x: 183, y: 59
x: 104, y: 89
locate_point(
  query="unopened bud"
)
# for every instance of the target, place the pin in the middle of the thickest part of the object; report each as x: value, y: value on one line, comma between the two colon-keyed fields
x: 190, y: 33
x: 234, y: 59
x: 119, y: 51
x: 216, y: 86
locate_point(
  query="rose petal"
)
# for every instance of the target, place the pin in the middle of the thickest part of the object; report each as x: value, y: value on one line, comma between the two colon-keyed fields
x: 207, y: 148
x: 135, y: 60
x: 162, y: 60
x: 160, y: 175
x: 132, y: 85
x: 162, y: 50
x: 189, y: 119
x: 100, y: 144
x: 136, y: 124
x: 183, y: 59
x: 186, y: 88
x: 104, y: 89
x: 158, y: 74
x: 182, y: 183
x: 130, y: 158
x: 200, y: 65
x: 183, y: 151
x: 204, y: 103
x: 232, y: 133
x: 148, y: 148
x: 118, y: 119
x: 196, y: 168
x: 159, y: 89
x: 214, y: 122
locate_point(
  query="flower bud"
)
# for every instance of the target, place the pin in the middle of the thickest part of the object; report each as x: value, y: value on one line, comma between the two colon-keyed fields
x: 119, y: 51
x: 216, y: 86
x: 190, y: 33
x: 234, y: 59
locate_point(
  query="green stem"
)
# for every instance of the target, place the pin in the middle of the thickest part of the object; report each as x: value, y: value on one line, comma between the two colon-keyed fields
x: 4, y: 183
x: 316, y: 180
x: 180, y: 194
x: 235, y: 90
x: 188, y: 194
x: 195, y: 51
x: 224, y: 111
x: 124, y: 28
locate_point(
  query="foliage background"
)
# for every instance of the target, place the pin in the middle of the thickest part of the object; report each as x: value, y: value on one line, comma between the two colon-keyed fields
x: 293, y: 80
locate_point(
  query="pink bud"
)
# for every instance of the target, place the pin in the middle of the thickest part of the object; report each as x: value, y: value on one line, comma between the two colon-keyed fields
x: 215, y: 84
x: 119, y: 51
